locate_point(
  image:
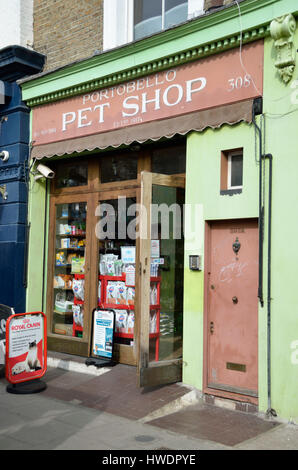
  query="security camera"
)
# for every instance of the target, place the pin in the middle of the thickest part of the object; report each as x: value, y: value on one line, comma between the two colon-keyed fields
x: 44, y: 171
x: 4, y: 155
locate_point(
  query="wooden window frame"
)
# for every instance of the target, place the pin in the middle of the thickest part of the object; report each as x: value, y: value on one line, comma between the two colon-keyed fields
x: 230, y: 163
x: 92, y: 193
x: 226, y: 170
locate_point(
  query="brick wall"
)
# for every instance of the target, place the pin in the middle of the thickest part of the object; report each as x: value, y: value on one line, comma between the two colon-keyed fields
x: 67, y: 30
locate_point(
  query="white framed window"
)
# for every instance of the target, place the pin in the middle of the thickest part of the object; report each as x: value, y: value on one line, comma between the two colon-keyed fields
x: 235, y: 170
x: 128, y: 20
x: 117, y: 23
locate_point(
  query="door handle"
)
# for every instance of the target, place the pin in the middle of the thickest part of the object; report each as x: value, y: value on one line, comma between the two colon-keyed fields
x: 211, y: 327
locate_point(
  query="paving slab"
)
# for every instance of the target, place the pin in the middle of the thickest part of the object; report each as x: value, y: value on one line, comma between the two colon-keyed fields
x: 220, y: 425
x: 81, y: 411
x: 283, y: 437
x: 115, y: 391
x: 62, y: 425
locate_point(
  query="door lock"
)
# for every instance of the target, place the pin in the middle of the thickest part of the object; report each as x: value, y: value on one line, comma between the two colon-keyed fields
x: 235, y: 300
x: 211, y: 327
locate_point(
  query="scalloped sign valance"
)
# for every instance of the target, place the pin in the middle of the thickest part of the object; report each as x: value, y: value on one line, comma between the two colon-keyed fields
x: 178, y: 100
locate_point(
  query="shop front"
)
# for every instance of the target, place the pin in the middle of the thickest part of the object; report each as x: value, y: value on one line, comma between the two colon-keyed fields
x: 98, y: 205
x: 117, y: 217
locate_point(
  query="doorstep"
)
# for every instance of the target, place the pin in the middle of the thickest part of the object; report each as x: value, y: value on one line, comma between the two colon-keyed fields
x: 230, y: 404
x: 73, y: 363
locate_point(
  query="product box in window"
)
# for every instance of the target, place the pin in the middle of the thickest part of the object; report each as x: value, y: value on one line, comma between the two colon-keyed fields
x: 62, y: 305
x: 77, y: 265
x: 63, y: 329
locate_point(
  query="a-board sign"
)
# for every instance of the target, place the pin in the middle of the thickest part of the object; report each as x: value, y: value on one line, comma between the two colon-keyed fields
x: 103, y: 333
x: 5, y: 313
x: 26, y: 347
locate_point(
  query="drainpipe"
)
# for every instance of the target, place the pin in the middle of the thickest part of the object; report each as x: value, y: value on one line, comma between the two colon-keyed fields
x: 270, y: 411
x: 257, y: 109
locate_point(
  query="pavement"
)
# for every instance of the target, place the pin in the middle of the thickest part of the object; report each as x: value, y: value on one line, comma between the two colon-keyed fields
x: 85, y: 408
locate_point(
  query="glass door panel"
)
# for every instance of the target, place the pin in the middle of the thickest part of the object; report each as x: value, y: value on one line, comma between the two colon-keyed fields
x: 116, y: 246
x: 69, y: 270
x: 167, y: 262
x: 161, y: 274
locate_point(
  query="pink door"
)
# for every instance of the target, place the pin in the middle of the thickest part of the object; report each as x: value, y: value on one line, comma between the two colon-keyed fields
x: 232, y: 303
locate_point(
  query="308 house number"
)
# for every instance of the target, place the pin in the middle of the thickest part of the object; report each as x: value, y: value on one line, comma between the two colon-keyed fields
x: 239, y: 82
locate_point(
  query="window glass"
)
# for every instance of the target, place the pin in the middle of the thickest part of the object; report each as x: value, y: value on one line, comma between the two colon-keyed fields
x: 147, y: 17
x: 151, y: 16
x: 176, y: 12
x: 72, y: 175
x: 236, y: 170
x: 116, y: 232
x: 166, y: 283
x: 119, y: 168
x: 169, y: 160
x: 69, y: 274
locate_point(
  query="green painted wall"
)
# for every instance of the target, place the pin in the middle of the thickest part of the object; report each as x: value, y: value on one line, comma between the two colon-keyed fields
x: 281, y: 141
x: 36, y: 280
x: 203, y: 194
x: 203, y: 177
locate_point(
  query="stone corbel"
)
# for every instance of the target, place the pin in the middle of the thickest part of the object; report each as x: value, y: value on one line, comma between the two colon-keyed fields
x: 282, y: 30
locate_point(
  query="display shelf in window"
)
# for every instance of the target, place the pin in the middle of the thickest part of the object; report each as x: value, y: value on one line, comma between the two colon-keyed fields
x: 62, y: 313
x: 70, y: 245
x: 71, y: 248
x: 115, y: 295
x: 63, y: 288
x: 71, y: 235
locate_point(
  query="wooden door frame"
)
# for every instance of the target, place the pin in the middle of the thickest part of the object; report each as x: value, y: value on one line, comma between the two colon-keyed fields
x: 151, y: 373
x: 207, y: 256
x: 92, y: 192
x: 61, y: 342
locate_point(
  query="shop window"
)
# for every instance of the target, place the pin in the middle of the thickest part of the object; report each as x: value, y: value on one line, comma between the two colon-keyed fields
x: 128, y: 20
x: 231, y: 171
x: 117, y: 250
x: 70, y: 240
x: 118, y: 168
x: 68, y: 176
x: 156, y: 15
x: 169, y: 160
